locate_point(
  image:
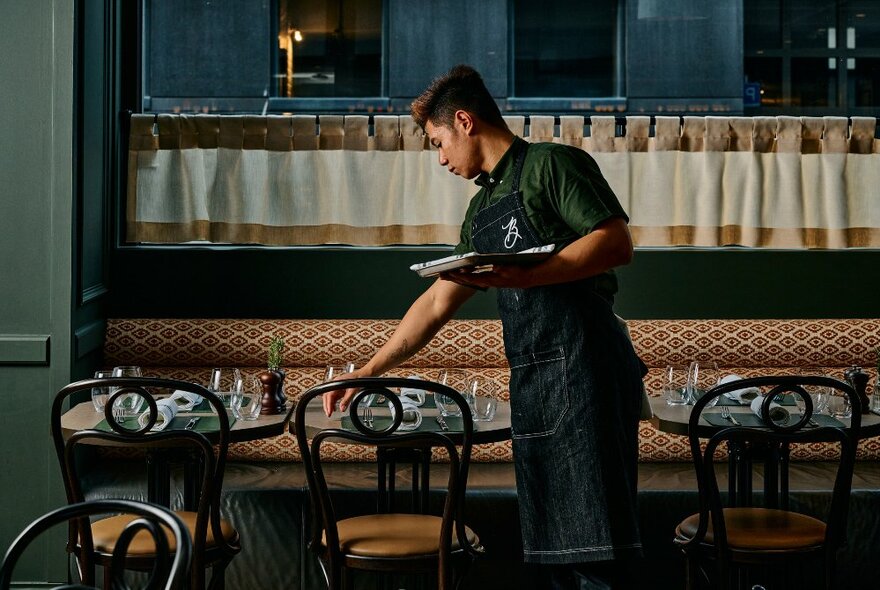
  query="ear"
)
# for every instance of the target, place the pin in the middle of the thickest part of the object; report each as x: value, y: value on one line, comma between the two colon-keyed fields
x: 465, y: 121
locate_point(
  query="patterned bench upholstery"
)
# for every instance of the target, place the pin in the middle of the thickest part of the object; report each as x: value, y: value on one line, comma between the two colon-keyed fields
x: 189, y: 348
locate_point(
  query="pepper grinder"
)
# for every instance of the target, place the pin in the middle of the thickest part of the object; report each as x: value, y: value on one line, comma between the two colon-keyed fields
x: 859, y: 381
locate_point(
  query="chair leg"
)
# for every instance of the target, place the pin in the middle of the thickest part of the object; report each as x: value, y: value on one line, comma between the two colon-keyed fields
x: 692, y: 572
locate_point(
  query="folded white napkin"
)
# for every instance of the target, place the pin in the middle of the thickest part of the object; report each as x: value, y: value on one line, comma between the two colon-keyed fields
x: 412, y: 415
x: 185, y: 400
x: 416, y: 396
x: 166, y: 411
x: 777, y: 413
x: 744, y: 395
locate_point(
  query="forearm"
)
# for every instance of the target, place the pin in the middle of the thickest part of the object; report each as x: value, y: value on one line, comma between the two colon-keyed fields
x: 605, y: 248
x: 420, y: 323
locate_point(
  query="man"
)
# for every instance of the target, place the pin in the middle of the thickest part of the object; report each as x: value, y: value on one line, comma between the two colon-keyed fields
x: 575, y: 387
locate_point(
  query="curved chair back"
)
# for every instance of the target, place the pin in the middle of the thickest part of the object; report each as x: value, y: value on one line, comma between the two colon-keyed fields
x: 189, y: 446
x: 153, y: 519
x: 803, y: 428
x: 324, y: 515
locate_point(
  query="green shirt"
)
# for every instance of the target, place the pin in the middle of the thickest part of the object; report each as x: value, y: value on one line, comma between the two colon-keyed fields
x: 564, y: 196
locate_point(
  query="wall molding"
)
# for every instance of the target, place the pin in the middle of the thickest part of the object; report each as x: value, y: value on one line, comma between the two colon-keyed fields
x: 88, y: 338
x: 24, y: 349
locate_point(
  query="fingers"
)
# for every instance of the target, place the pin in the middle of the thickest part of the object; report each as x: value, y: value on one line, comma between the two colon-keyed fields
x: 331, y: 397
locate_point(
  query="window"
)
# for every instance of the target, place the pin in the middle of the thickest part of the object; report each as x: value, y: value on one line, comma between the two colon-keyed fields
x: 329, y: 49
x: 565, y: 49
x: 814, y: 57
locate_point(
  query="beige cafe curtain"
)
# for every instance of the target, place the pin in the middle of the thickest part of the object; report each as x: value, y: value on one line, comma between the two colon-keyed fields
x: 781, y: 182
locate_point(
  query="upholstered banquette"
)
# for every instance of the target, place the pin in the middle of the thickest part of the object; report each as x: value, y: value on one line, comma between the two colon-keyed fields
x: 189, y: 348
x: 265, y: 495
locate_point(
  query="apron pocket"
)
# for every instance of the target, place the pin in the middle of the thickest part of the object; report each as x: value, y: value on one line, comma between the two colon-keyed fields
x: 539, y: 393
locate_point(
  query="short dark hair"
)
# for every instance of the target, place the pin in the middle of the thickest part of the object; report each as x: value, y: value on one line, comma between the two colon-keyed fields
x: 461, y: 88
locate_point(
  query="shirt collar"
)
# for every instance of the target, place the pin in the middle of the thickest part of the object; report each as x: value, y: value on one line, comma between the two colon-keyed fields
x: 508, y: 160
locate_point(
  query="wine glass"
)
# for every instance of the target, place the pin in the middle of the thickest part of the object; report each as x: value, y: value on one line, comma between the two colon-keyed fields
x: 820, y: 395
x: 702, y: 376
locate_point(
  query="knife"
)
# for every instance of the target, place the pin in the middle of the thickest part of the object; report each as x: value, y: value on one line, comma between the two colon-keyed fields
x: 442, y: 423
x: 192, y: 423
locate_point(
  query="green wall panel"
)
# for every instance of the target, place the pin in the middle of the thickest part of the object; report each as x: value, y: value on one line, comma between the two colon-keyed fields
x: 686, y: 283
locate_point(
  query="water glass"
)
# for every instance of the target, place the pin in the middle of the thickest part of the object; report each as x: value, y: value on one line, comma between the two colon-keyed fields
x: 100, y: 395
x: 675, y: 378
x: 875, y: 397
x: 820, y: 395
x: 332, y: 372
x: 225, y: 382
x: 127, y: 405
x: 460, y: 381
x: 839, y: 405
x: 482, y: 399
x: 246, y: 401
x: 702, y: 376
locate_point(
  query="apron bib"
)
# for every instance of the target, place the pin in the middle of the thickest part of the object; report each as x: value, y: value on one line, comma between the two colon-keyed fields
x: 575, y: 389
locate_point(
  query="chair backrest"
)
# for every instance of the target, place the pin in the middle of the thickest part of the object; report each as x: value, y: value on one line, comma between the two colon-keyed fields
x: 777, y: 436
x: 459, y: 450
x: 209, y: 448
x: 153, y: 518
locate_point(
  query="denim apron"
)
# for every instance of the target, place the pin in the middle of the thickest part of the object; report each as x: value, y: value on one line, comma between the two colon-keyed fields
x: 575, y: 392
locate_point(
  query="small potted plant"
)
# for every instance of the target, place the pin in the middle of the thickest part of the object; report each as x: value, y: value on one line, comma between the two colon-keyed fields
x: 272, y: 379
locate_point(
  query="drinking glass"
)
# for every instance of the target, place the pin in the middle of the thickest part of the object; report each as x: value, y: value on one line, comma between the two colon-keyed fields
x: 702, y: 376
x: 839, y: 405
x: 100, y: 395
x: 458, y: 380
x: 675, y: 378
x: 246, y: 400
x: 335, y: 372
x: 224, y: 383
x: 128, y: 405
x: 482, y: 399
x: 820, y: 395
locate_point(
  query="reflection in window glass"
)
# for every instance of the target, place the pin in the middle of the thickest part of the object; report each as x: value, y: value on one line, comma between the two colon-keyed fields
x: 813, y: 83
x: 768, y: 73
x: 762, y: 25
x: 810, y: 23
x: 564, y: 49
x: 864, y: 17
x: 864, y: 82
x: 328, y: 49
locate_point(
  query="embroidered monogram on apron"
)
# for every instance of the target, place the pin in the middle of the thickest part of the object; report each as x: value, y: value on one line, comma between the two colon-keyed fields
x: 574, y: 395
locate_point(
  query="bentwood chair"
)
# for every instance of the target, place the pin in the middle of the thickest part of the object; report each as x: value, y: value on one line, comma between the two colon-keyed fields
x: 144, y: 520
x: 215, y: 540
x: 762, y: 539
x: 389, y: 541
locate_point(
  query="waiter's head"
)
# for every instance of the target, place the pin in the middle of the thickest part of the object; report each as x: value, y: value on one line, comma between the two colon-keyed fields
x: 458, y: 113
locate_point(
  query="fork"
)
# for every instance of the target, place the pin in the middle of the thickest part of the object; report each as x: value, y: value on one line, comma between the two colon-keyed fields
x: 725, y: 413
x: 367, y: 416
x: 118, y: 414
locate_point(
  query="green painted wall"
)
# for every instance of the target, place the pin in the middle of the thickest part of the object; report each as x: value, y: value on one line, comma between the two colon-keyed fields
x: 689, y: 283
x: 36, y: 40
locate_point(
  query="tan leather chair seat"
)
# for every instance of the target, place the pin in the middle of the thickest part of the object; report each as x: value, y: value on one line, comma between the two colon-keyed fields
x: 105, y: 532
x: 761, y: 529
x: 394, y: 535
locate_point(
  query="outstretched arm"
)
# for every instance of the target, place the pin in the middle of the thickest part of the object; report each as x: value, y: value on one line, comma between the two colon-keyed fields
x: 421, y: 322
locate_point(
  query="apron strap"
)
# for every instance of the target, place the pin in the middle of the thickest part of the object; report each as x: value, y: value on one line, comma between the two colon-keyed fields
x: 518, y: 166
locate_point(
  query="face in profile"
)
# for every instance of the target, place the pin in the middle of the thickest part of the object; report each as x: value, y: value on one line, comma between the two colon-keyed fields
x: 455, y: 147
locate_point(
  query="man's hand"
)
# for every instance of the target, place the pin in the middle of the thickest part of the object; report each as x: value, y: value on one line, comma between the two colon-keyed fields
x: 342, y: 395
